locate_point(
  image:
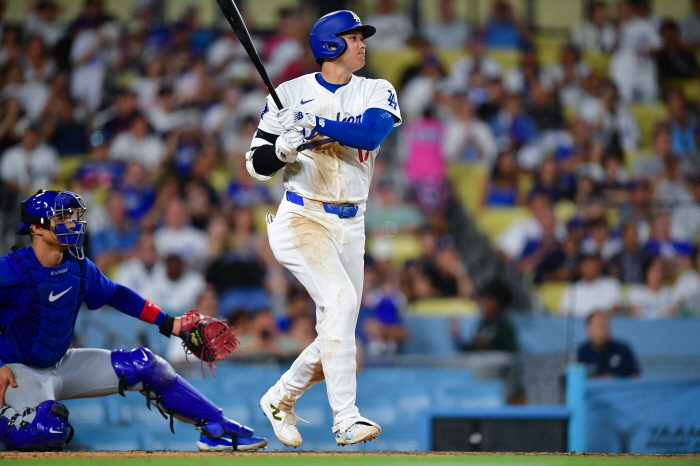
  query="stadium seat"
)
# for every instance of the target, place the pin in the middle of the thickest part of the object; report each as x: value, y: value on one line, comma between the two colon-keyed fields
x: 550, y: 294
x: 507, y: 58
x: 564, y: 211
x: 443, y: 306
x: 689, y: 87
x: 391, y: 64
x: 68, y: 165
x: 494, y: 221
x: 674, y: 9
x: 468, y: 182
x: 555, y: 14
x: 598, y: 62
x: 647, y: 116
x: 405, y: 248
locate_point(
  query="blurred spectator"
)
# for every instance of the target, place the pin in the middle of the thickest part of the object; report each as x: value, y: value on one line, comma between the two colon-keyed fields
x: 147, y: 86
x: 182, y: 146
x: 10, y: 43
x: 593, y: 292
x: 194, y: 86
x: 652, y: 300
x: 379, y: 324
x: 388, y: 214
x: 685, y: 219
x: 520, y: 79
x: 425, y: 165
x: 394, y: 27
x: 670, y: 189
x: 546, y: 257
x: 419, y: 92
x: 116, y: 118
x: 565, y: 79
x: 545, y: 110
x: 627, y: 264
x: 29, y: 165
x: 514, y: 128
x: 502, y: 188
x: 98, y: 171
x: 595, y: 32
x: 244, y: 190
x: 685, y: 294
x: 660, y: 242
x: 503, y: 29
x: 139, y: 273
x: 41, y: 21
x: 227, y: 57
x: 549, y: 181
x: 66, y: 133
x: 494, y: 332
x: 260, y: 339
x: 475, y: 59
x: 468, y: 139
x: 138, y: 144
x: 682, y: 124
x: 448, y: 31
x: 88, y: 61
x: 10, y: 127
x: 603, y: 356
x: 674, y: 60
x: 176, y: 291
x: 287, y: 44
x: 633, y: 66
x: 178, y: 237
x: 511, y: 244
x: 690, y: 27
x: 115, y: 239
x: 639, y: 210
x: 164, y: 114
x: 139, y: 193
x: 37, y: 65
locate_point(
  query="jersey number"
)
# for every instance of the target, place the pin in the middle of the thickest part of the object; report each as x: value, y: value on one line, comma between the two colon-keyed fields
x: 361, y: 157
x: 392, y: 99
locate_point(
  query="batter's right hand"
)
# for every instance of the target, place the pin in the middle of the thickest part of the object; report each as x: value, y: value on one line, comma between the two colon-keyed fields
x: 287, y: 143
x: 6, y: 378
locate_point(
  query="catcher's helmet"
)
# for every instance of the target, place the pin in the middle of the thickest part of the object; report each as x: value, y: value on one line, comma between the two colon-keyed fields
x: 327, y: 29
x: 44, y: 205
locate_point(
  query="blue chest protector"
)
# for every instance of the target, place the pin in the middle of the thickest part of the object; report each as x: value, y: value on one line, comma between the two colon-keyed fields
x: 40, y: 334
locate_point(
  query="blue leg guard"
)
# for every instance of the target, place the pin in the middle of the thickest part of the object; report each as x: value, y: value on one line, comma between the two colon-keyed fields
x: 172, y: 394
x: 42, y: 428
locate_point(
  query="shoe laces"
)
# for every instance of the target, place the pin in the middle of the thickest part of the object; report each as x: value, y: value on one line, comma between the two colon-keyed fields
x: 291, y: 418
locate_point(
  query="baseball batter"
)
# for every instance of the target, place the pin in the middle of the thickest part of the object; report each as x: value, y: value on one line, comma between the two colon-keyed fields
x: 318, y: 233
x: 41, y: 290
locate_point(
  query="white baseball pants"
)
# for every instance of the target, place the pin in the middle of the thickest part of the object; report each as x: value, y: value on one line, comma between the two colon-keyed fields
x: 326, y: 254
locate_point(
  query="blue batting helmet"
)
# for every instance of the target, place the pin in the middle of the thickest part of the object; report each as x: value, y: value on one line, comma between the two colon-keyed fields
x: 45, y: 205
x: 327, y: 29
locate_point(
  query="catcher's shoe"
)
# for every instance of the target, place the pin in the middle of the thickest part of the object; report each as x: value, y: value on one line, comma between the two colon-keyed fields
x: 226, y: 444
x: 283, y: 420
x: 355, y: 429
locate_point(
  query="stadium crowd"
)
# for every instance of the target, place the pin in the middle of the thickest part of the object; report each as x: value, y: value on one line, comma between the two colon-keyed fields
x: 150, y: 122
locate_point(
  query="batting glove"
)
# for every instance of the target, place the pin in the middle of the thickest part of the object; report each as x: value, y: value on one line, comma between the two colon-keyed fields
x: 294, y: 117
x: 287, y: 143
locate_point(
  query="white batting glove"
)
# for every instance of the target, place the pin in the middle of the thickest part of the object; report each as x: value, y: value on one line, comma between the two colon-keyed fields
x: 294, y: 117
x: 287, y: 143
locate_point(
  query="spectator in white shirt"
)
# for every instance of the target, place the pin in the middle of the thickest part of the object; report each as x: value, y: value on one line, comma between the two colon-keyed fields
x: 89, y: 68
x: 179, y: 237
x: 448, y: 31
x: 41, y: 21
x: 468, y: 139
x: 458, y: 79
x: 138, y: 144
x: 652, y: 300
x: 394, y: 28
x: 690, y: 27
x: 593, y: 292
x: 633, y: 65
x: 685, y: 294
x: 29, y: 165
x: 139, y: 273
x: 228, y: 58
x: 595, y: 33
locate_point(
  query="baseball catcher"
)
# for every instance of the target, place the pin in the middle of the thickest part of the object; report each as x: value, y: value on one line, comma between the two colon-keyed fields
x: 41, y: 290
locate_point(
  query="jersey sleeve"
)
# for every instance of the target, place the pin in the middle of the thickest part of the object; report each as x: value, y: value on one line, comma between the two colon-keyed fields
x: 384, y: 97
x: 99, y: 288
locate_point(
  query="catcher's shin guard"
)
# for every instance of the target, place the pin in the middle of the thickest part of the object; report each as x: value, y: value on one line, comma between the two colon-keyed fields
x: 172, y: 394
x: 42, y: 428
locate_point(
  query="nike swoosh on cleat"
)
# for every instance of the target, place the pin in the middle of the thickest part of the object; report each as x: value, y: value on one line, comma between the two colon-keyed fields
x: 55, y: 431
x: 53, y: 298
x: 302, y: 101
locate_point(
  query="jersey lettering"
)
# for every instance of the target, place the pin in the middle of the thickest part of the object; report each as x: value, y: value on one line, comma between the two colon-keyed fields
x: 392, y: 99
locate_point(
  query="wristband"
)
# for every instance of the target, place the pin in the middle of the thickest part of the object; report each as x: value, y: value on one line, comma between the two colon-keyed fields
x: 166, y: 327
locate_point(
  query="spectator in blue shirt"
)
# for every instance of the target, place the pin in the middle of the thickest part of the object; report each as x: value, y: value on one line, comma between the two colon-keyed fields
x: 503, y: 29
x: 603, y: 356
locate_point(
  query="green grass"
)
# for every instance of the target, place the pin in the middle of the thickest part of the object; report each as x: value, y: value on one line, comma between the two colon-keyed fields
x: 341, y: 460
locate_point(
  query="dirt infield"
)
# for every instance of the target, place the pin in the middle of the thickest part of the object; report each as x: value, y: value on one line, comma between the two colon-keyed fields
x: 14, y: 455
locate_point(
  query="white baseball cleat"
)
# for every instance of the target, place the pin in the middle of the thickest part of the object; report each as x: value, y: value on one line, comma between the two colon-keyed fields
x: 355, y: 429
x: 283, y: 420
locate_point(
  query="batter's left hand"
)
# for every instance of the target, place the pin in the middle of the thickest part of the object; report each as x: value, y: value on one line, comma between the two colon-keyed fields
x: 294, y: 117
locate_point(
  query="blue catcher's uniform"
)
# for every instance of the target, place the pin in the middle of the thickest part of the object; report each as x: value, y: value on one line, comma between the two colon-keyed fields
x: 38, y: 309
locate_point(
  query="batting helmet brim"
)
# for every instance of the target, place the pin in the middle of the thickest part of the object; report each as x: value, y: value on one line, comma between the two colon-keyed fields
x: 366, y: 30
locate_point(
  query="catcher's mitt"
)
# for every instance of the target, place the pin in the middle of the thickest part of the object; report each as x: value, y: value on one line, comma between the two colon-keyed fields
x: 209, y: 339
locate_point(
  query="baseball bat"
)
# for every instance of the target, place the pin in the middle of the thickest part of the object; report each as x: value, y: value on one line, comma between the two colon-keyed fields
x: 234, y: 18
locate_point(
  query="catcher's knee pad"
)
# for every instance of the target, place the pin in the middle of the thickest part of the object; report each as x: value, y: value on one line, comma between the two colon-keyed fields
x: 172, y: 394
x: 42, y: 428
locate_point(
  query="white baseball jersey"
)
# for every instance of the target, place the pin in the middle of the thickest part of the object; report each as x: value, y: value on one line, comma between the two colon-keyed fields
x: 327, y: 171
